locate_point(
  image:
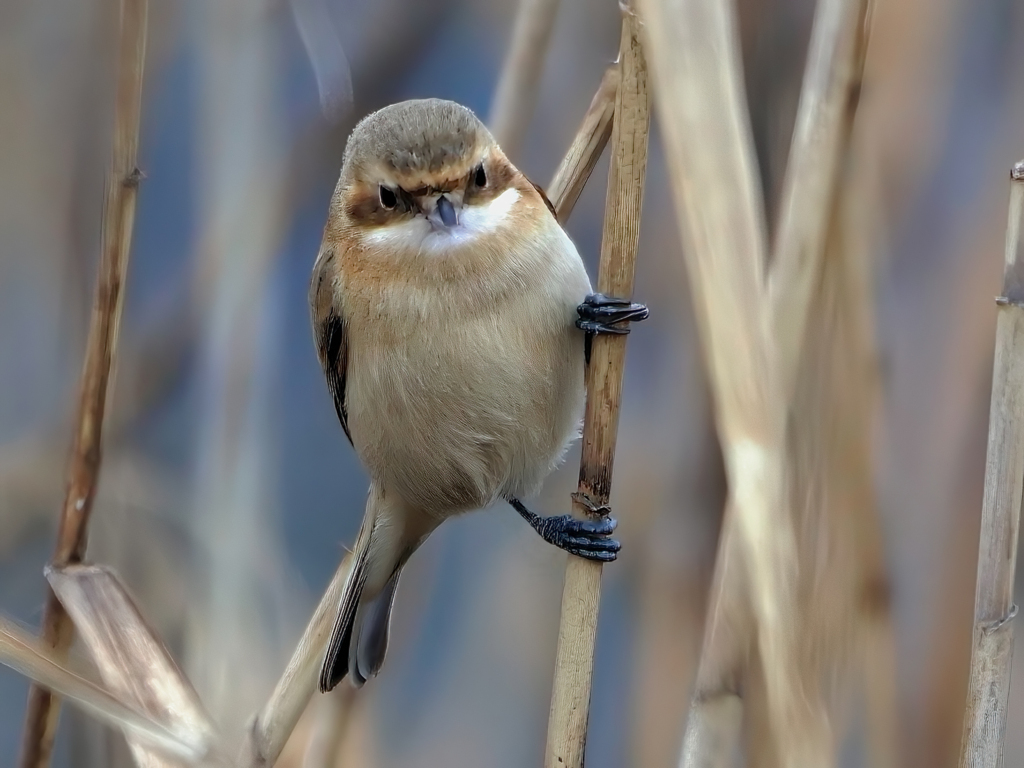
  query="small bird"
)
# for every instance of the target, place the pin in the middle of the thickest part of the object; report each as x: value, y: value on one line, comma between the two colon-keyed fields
x: 452, y: 316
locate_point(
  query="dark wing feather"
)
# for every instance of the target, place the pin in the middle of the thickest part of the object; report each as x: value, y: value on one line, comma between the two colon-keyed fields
x: 336, y: 658
x: 331, y: 338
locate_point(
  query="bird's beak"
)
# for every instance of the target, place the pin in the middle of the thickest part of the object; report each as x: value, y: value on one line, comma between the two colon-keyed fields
x: 446, y: 212
x: 443, y: 210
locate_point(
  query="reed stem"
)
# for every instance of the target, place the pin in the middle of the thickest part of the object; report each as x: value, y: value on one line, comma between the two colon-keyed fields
x: 994, y: 609
x: 86, y: 451
x: 570, y: 697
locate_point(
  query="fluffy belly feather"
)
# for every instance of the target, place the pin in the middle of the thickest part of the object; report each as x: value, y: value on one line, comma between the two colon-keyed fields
x: 455, y: 415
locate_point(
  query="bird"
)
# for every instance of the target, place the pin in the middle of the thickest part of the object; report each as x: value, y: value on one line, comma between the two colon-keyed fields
x: 453, y: 319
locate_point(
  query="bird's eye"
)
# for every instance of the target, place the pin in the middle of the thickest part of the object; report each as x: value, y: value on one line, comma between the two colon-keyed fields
x: 388, y: 198
x: 480, y: 177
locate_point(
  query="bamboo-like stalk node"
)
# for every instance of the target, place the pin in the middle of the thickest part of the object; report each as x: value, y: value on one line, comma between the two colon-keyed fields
x: 574, y: 663
x: 994, y: 610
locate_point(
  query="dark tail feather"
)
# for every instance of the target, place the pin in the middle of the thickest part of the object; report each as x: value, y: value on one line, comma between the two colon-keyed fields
x: 372, y: 631
x: 336, y: 661
x: 359, y: 640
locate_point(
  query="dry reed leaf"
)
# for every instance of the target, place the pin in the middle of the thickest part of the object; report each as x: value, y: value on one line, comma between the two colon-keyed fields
x: 26, y: 655
x: 994, y: 609
x: 133, y: 663
x: 570, y: 696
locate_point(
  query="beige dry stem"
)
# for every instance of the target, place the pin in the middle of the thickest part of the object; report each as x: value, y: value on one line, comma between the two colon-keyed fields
x: 570, y: 698
x: 693, y: 50
x: 752, y: 339
x: 994, y: 609
x: 824, y: 370
x: 821, y: 138
x: 84, y: 467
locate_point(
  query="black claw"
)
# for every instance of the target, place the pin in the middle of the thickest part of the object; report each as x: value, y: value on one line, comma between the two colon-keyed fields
x: 603, y: 314
x: 587, y: 543
x: 588, y: 539
x: 600, y: 527
x: 592, y: 326
x: 564, y: 540
x: 604, y: 557
x: 603, y: 300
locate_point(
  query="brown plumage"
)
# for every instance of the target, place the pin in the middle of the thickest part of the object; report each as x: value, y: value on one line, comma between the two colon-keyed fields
x: 444, y: 300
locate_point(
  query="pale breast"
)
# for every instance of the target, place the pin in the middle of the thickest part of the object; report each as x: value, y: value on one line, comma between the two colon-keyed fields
x: 453, y: 402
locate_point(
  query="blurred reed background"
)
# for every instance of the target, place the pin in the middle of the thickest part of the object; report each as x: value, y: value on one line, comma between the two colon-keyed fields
x: 228, y: 489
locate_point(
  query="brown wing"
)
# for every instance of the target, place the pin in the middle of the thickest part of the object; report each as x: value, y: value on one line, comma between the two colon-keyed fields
x: 544, y: 197
x: 329, y: 331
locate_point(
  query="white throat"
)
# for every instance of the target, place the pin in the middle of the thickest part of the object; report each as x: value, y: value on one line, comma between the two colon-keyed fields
x: 418, y: 234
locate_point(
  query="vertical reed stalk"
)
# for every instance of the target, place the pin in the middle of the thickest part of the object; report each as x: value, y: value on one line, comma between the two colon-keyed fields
x: 86, y: 451
x: 829, y: 96
x: 753, y: 339
x: 994, y: 609
x: 693, y: 51
x: 570, y: 698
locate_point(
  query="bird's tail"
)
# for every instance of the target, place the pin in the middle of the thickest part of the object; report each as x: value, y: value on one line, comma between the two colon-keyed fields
x: 359, y: 639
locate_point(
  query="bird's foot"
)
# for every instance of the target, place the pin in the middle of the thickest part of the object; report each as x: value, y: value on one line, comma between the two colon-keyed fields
x: 589, y: 539
x: 605, y: 314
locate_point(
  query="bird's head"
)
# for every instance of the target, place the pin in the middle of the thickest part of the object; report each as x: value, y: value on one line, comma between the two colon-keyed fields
x: 426, y: 177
